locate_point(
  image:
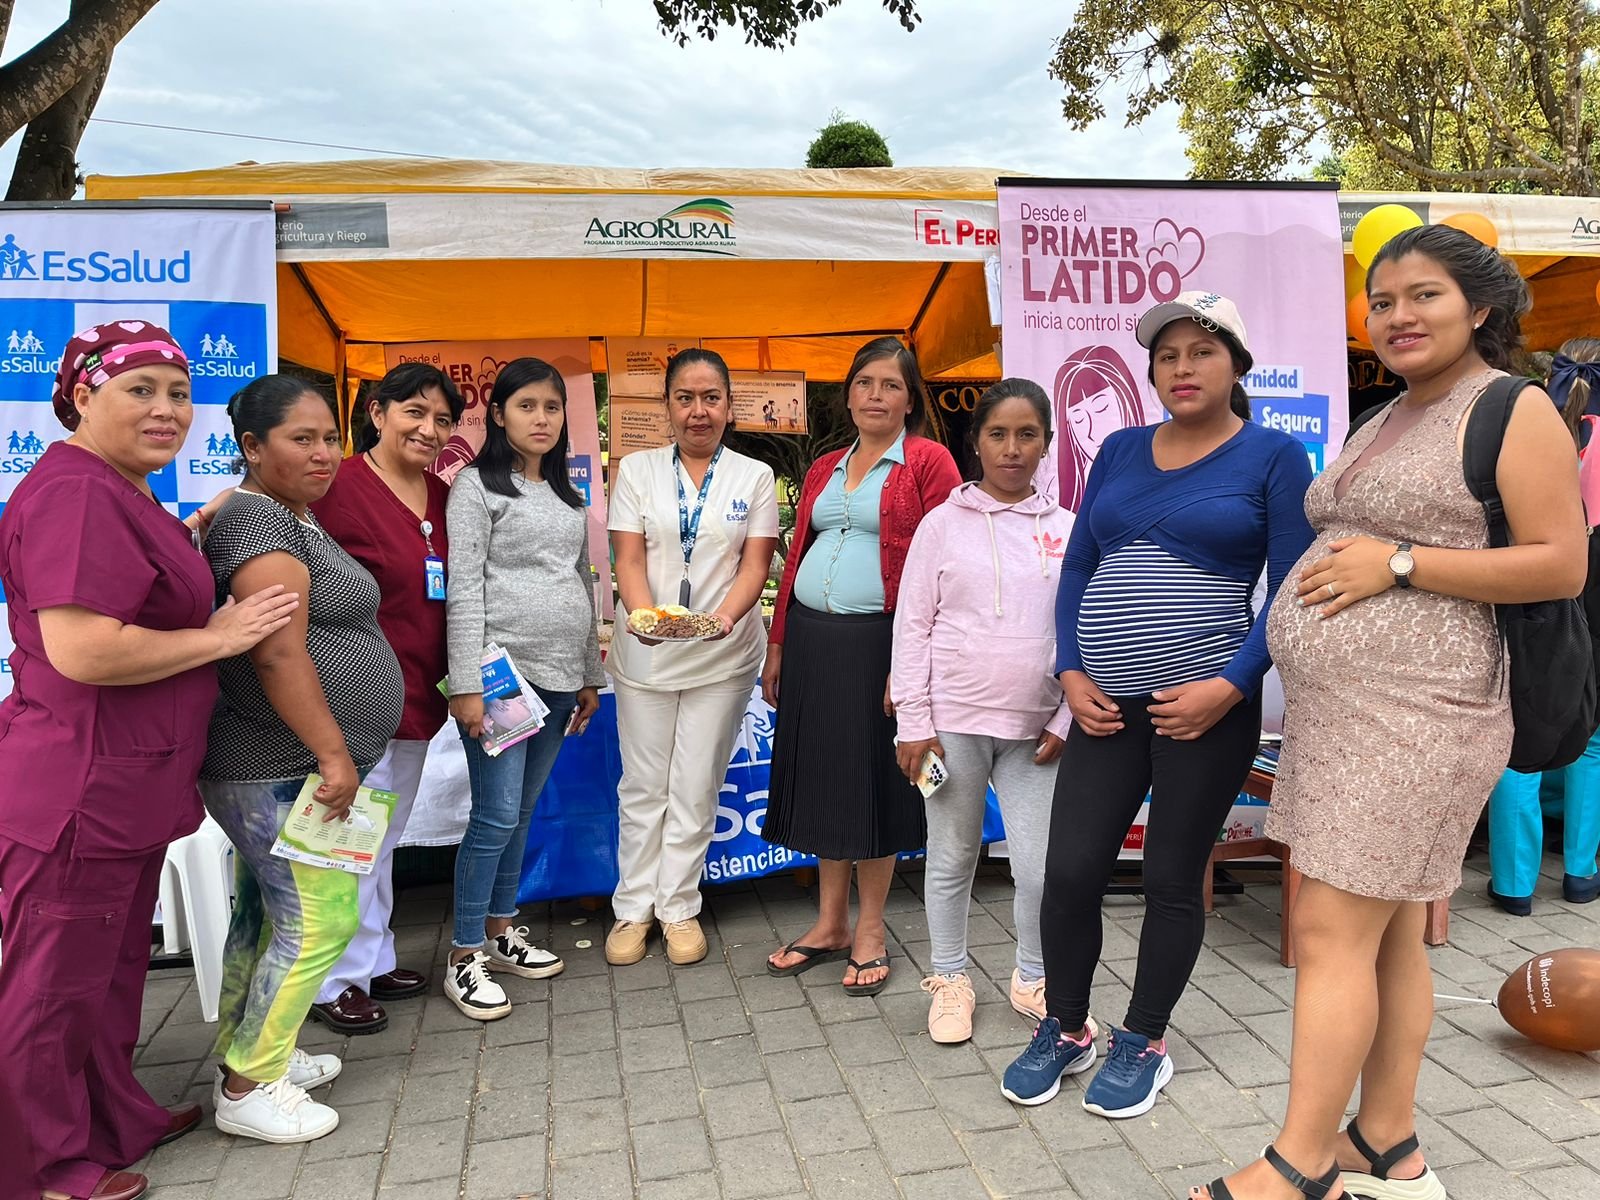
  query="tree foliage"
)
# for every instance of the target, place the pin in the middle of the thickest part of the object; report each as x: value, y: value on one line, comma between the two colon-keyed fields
x: 51, y: 89
x: 846, y: 143
x: 771, y: 23
x: 1487, y: 95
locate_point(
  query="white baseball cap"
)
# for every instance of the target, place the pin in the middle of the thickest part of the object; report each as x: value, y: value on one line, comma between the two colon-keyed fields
x: 1207, y: 308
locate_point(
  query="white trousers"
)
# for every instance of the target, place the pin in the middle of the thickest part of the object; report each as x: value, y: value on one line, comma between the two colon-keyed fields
x: 371, y: 951
x: 675, y: 750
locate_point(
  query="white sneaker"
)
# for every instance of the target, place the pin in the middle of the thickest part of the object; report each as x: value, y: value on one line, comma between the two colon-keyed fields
x: 276, y: 1112
x: 512, y: 952
x: 313, y: 1070
x: 306, y: 1071
x: 467, y: 983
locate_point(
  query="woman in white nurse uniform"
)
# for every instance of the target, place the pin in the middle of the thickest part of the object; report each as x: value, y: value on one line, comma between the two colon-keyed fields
x: 695, y: 524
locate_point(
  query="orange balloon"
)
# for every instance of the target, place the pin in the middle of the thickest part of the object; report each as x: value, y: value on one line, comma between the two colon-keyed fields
x: 1355, y: 277
x: 1355, y: 319
x: 1476, y: 225
x: 1555, y: 999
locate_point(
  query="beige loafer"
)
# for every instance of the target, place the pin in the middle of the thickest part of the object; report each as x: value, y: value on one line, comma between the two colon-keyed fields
x: 625, y: 943
x: 685, y: 942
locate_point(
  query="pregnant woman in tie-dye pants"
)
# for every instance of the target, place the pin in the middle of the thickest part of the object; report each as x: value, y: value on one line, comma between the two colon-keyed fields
x: 323, y: 696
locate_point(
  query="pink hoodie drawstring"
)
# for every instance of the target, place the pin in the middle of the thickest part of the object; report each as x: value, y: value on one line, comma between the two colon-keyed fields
x: 994, y: 554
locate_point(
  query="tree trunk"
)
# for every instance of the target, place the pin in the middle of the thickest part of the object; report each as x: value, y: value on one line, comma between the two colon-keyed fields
x: 33, y: 81
x: 47, y: 161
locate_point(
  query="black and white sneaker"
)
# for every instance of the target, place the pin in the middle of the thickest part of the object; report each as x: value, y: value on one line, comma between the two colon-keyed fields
x: 467, y: 983
x: 512, y: 952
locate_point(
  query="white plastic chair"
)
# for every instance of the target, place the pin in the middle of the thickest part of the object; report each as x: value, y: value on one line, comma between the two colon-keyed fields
x: 196, y: 900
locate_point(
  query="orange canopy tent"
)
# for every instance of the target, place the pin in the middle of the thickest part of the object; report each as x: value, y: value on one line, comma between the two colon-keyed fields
x: 778, y: 270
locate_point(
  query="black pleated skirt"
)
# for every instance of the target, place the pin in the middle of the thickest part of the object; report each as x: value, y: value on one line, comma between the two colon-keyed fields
x: 836, y: 790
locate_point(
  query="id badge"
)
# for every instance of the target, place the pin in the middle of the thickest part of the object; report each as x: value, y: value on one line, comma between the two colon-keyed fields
x: 433, y: 573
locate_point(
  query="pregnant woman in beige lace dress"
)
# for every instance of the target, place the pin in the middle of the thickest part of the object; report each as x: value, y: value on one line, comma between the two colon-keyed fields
x: 1397, y: 725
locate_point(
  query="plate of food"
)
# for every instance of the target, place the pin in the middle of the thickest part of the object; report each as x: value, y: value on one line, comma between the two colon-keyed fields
x: 674, y: 623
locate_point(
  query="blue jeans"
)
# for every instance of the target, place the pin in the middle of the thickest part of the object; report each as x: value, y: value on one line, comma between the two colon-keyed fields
x: 1516, y: 828
x: 504, y: 789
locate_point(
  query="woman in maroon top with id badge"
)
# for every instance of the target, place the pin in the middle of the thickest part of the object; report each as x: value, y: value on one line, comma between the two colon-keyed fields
x: 387, y: 510
x: 101, y: 739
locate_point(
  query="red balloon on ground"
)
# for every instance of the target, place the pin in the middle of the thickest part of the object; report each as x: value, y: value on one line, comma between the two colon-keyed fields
x: 1555, y: 999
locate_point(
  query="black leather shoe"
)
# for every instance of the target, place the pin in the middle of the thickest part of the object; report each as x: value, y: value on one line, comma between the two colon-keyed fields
x: 1517, y: 906
x: 398, y: 984
x: 1577, y: 889
x: 353, y: 1013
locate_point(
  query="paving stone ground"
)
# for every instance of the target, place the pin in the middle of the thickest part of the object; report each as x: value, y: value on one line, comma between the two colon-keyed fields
x: 715, y: 1080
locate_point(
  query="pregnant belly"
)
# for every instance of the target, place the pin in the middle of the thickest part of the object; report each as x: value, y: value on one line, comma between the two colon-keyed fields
x: 1417, y: 643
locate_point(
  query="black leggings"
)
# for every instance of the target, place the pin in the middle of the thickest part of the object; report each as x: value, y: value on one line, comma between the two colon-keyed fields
x: 1099, y: 786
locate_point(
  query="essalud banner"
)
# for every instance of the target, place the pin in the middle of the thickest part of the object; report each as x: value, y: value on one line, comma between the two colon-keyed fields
x: 206, y: 273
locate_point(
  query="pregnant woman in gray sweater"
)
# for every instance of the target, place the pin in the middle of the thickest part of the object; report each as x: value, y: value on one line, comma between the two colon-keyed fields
x: 519, y: 577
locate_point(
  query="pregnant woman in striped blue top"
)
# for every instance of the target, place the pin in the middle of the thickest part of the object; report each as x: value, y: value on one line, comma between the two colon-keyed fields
x: 1161, y: 660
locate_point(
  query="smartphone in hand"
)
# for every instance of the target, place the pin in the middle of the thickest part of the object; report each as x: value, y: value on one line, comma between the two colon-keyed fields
x: 933, y: 774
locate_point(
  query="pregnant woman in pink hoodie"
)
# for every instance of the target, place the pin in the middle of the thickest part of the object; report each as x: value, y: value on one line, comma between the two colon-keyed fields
x: 974, y: 648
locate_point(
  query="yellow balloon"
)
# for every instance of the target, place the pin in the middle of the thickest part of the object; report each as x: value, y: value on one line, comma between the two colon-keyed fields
x: 1377, y: 227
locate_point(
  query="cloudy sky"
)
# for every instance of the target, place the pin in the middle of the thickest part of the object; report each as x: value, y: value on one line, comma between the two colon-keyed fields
x: 588, y: 82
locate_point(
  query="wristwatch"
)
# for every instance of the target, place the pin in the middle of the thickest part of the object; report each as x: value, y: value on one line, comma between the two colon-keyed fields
x: 1402, y: 564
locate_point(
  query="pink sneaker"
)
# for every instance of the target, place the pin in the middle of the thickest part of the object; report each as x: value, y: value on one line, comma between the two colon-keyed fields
x: 950, y: 1014
x: 1028, y: 998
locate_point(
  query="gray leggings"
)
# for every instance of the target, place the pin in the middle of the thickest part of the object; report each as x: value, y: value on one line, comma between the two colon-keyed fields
x: 955, y: 830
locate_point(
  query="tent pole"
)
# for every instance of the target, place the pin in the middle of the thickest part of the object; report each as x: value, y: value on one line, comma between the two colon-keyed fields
x: 343, y: 405
x: 342, y: 401
x: 316, y: 300
x: 927, y: 302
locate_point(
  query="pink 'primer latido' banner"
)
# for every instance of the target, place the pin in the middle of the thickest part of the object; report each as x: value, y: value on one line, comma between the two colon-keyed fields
x: 1080, y: 263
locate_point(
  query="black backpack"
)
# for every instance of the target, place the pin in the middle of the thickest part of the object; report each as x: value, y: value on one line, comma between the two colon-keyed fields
x: 1553, y: 646
x: 1555, y: 660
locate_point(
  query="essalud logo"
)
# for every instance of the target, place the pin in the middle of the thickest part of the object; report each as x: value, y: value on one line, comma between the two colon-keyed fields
x: 23, y: 448
x: 703, y: 226
x: 94, y: 266
x: 25, y: 354
x: 220, y: 458
x: 219, y: 359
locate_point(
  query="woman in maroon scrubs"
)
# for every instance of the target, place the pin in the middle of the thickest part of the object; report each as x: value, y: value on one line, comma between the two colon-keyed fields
x: 387, y: 510
x: 100, y: 743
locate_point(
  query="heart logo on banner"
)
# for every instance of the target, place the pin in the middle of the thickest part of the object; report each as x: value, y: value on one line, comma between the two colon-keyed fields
x: 1183, y: 248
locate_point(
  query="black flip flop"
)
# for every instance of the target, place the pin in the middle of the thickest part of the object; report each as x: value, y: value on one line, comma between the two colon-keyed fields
x: 867, y: 989
x: 811, y: 956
